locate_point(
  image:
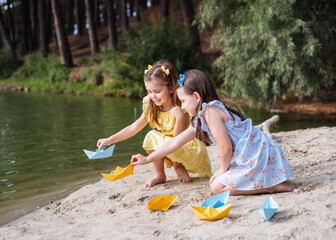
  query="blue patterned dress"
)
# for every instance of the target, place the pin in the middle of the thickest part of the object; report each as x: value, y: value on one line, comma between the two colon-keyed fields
x: 257, y: 160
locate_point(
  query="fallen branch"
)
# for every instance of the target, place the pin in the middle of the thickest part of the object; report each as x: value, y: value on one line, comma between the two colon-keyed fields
x: 266, y: 125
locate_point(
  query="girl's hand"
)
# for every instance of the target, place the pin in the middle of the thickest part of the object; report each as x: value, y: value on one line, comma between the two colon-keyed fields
x: 177, y: 112
x: 216, y: 173
x: 102, y: 143
x: 139, y: 160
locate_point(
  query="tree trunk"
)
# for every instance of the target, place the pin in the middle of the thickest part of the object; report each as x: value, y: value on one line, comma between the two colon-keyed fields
x: 140, y: 8
x: 80, y: 16
x: 5, y: 35
x: 123, y: 16
x: 63, y: 44
x: 188, y: 10
x: 164, y: 9
x: 70, y: 16
x: 92, y: 28
x: 11, y: 25
x: 50, y: 24
x: 44, y: 42
x: 25, y: 26
x: 96, y: 13
x: 34, y: 25
x: 112, y: 30
x: 104, y: 13
x: 155, y: 3
x: 131, y: 7
x: 266, y: 125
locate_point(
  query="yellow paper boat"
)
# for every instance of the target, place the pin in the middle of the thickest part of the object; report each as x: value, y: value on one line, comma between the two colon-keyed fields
x: 210, y: 213
x: 161, y: 202
x: 119, y: 173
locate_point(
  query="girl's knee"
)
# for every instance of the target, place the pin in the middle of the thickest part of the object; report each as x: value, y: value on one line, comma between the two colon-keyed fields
x: 216, y: 187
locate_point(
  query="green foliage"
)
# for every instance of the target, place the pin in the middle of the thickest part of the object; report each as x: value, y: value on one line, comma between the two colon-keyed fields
x: 168, y: 41
x: 269, y: 47
x: 49, y: 69
x: 84, y: 61
x: 8, y: 64
x: 123, y: 73
x: 113, y: 75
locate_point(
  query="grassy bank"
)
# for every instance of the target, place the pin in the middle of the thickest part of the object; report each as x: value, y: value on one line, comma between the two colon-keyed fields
x: 100, y: 74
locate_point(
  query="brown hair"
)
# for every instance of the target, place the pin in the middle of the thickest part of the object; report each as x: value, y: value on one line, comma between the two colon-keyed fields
x: 170, y: 80
x: 197, y: 81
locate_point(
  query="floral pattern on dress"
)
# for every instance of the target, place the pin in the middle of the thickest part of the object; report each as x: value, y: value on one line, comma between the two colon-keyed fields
x: 257, y: 160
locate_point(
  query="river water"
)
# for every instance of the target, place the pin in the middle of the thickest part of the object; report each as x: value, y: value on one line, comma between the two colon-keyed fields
x: 42, y: 137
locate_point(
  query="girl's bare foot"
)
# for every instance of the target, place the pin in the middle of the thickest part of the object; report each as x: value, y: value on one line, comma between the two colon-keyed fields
x: 155, y: 180
x: 286, y: 186
x: 181, y: 172
x: 291, y: 183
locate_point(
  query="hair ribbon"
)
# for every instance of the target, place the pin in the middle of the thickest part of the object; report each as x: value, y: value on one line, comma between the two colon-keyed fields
x: 181, y: 80
x: 165, y: 70
x: 148, y: 68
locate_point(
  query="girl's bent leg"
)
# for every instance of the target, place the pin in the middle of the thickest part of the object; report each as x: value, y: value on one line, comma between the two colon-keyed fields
x: 181, y: 172
x: 286, y: 186
x: 160, y: 175
x: 216, y: 187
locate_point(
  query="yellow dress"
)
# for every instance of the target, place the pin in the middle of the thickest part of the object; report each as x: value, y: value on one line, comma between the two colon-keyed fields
x: 192, y: 155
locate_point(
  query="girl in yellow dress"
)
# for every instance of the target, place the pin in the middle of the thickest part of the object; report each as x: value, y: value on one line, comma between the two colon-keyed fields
x: 161, y: 109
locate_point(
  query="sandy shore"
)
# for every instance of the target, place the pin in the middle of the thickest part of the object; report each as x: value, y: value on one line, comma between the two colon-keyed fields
x: 118, y: 210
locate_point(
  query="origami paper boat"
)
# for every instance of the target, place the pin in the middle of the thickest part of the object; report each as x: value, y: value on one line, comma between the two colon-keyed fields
x: 268, y: 209
x: 119, y: 173
x: 210, y: 213
x: 217, y: 201
x: 161, y: 202
x: 100, y: 153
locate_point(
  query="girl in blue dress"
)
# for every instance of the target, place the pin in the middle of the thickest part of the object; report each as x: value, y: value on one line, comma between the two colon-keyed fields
x: 250, y: 161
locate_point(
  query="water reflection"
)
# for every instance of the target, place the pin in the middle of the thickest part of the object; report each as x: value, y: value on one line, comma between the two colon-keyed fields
x: 42, y: 137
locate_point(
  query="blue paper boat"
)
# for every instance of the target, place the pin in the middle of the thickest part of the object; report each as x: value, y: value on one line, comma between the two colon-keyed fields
x: 268, y: 209
x: 100, y: 153
x: 217, y: 201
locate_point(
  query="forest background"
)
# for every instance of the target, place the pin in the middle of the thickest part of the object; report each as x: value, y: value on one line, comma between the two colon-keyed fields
x: 263, y: 50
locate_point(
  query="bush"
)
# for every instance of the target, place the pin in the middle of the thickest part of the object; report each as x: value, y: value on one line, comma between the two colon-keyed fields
x: 271, y: 47
x: 8, y: 64
x: 166, y: 41
x: 47, y: 69
x: 94, y: 75
x: 119, y: 76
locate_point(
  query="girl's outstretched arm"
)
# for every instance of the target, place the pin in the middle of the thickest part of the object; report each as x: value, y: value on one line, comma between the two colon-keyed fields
x: 168, y: 147
x: 125, y: 133
x: 215, y: 119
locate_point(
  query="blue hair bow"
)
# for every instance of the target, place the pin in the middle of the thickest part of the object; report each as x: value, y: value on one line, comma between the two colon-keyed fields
x: 181, y: 80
